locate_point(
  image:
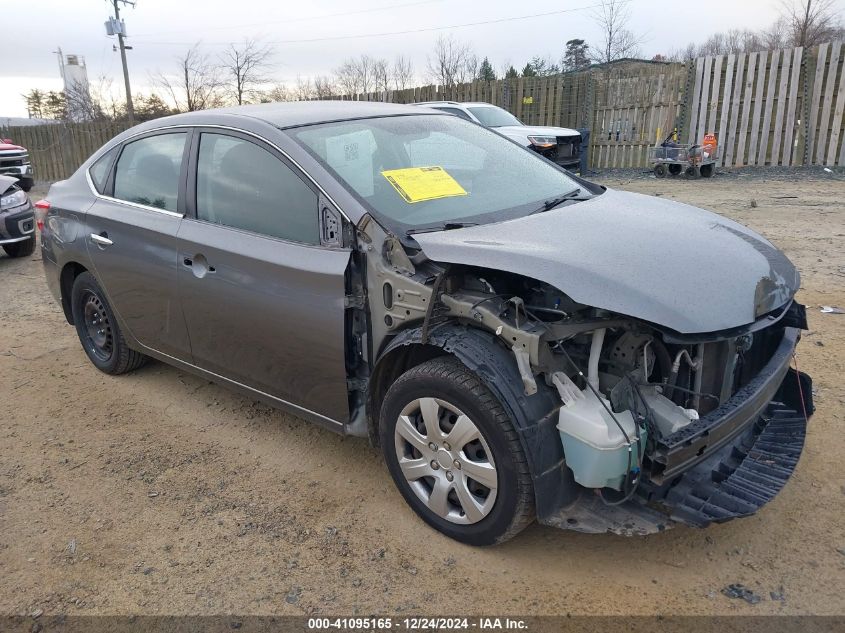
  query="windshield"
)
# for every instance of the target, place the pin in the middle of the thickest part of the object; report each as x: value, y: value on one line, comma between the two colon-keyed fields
x: 432, y: 170
x: 491, y: 116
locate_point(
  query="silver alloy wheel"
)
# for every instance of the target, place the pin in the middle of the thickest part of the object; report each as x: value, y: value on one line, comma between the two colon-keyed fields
x: 446, y: 460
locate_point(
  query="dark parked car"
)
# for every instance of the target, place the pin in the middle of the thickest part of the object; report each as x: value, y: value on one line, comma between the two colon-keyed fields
x: 17, y: 219
x: 520, y: 342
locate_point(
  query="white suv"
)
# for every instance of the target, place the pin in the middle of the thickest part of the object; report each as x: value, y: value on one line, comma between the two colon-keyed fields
x: 559, y: 144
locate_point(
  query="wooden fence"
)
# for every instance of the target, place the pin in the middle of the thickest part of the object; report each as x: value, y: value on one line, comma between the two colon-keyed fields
x: 781, y: 107
x: 58, y: 149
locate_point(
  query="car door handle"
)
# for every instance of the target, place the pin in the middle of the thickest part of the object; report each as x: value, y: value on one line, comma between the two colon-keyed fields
x: 198, y: 265
x: 102, y: 239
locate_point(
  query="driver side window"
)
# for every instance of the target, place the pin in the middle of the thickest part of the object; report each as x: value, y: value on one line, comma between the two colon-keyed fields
x: 244, y: 186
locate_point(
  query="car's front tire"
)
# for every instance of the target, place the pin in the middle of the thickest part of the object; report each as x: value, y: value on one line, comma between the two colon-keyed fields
x: 454, y: 454
x: 98, y: 330
x: 20, y: 249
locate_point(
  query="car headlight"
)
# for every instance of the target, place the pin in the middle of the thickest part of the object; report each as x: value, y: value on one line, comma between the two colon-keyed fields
x: 542, y: 141
x: 13, y: 199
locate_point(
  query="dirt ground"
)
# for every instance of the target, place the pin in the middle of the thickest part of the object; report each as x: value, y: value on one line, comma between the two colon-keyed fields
x: 160, y: 493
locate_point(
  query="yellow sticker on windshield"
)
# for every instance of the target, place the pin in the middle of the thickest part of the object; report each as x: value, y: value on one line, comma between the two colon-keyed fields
x: 416, y: 184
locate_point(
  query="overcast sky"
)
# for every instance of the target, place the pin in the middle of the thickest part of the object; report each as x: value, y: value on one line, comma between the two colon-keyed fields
x: 161, y: 29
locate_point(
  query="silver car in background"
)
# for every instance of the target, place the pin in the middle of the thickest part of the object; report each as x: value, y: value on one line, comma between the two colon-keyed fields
x: 560, y: 145
x: 518, y: 341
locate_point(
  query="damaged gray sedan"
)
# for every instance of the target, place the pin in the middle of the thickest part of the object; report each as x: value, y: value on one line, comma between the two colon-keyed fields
x: 519, y: 342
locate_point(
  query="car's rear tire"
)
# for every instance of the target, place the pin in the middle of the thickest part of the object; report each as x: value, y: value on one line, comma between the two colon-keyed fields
x: 450, y: 486
x: 98, y: 330
x: 20, y: 249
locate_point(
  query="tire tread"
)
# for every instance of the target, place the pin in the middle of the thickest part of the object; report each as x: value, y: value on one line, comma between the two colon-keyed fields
x: 451, y: 369
x: 128, y: 358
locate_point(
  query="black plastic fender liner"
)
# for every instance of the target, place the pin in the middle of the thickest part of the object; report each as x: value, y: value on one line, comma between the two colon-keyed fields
x: 534, y: 417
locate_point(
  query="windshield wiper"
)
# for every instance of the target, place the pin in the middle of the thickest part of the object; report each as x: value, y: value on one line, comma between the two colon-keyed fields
x: 548, y: 205
x: 445, y: 226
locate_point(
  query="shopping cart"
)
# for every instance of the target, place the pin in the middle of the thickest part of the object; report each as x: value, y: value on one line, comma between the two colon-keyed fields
x: 675, y: 159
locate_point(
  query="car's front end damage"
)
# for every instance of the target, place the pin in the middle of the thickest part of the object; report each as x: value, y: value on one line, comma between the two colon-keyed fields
x: 648, y: 386
x: 17, y: 216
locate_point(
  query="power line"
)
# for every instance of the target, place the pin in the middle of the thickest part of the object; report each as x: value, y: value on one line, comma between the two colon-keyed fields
x: 406, y: 32
x: 293, y: 20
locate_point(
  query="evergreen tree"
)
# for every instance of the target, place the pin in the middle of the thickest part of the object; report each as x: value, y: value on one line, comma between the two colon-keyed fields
x: 35, y: 103
x: 577, y: 55
x: 55, y: 105
x: 543, y: 67
x: 486, y: 72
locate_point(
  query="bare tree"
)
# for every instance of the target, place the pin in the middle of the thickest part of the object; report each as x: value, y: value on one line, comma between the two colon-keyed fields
x: 776, y: 35
x: 618, y: 41
x: 196, y: 86
x: 361, y: 75
x: 277, y: 92
x: 803, y: 23
x: 244, y: 67
x: 811, y: 22
x: 469, y: 69
x: 95, y: 101
x: 403, y: 72
x: 381, y: 76
x: 324, y: 87
x: 451, y: 62
x: 346, y: 78
x: 303, y: 90
x: 81, y: 104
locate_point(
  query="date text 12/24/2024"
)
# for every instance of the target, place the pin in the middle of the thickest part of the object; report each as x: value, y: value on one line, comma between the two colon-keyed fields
x: 416, y: 624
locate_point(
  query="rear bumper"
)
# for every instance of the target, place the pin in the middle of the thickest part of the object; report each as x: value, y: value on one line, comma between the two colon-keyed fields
x: 728, y: 465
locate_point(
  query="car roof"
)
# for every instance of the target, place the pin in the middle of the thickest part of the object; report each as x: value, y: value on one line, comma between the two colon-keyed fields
x: 474, y: 104
x: 297, y: 113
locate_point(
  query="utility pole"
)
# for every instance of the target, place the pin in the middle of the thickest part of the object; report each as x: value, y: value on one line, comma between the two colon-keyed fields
x: 130, y: 110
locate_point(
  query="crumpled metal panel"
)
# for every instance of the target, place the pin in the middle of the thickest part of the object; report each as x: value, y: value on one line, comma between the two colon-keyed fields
x: 669, y: 263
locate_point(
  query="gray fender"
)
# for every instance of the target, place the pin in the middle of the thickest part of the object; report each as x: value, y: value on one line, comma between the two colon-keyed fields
x: 534, y: 417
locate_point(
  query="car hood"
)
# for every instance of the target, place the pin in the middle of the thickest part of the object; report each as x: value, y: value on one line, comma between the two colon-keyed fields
x: 665, y: 262
x: 531, y: 130
x: 6, y: 183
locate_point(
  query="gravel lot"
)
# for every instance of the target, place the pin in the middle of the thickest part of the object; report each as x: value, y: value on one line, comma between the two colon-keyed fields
x: 161, y: 493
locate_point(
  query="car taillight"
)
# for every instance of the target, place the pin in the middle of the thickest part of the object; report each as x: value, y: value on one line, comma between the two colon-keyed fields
x: 41, y: 209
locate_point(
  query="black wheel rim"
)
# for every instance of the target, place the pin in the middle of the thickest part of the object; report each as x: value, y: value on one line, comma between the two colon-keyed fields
x: 97, y: 331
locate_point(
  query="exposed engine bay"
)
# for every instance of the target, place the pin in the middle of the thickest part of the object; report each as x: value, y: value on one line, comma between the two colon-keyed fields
x: 627, y: 391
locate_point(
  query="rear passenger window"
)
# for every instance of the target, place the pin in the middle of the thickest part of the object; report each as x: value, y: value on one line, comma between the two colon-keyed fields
x: 148, y: 171
x: 100, y: 170
x: 242, y: 185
